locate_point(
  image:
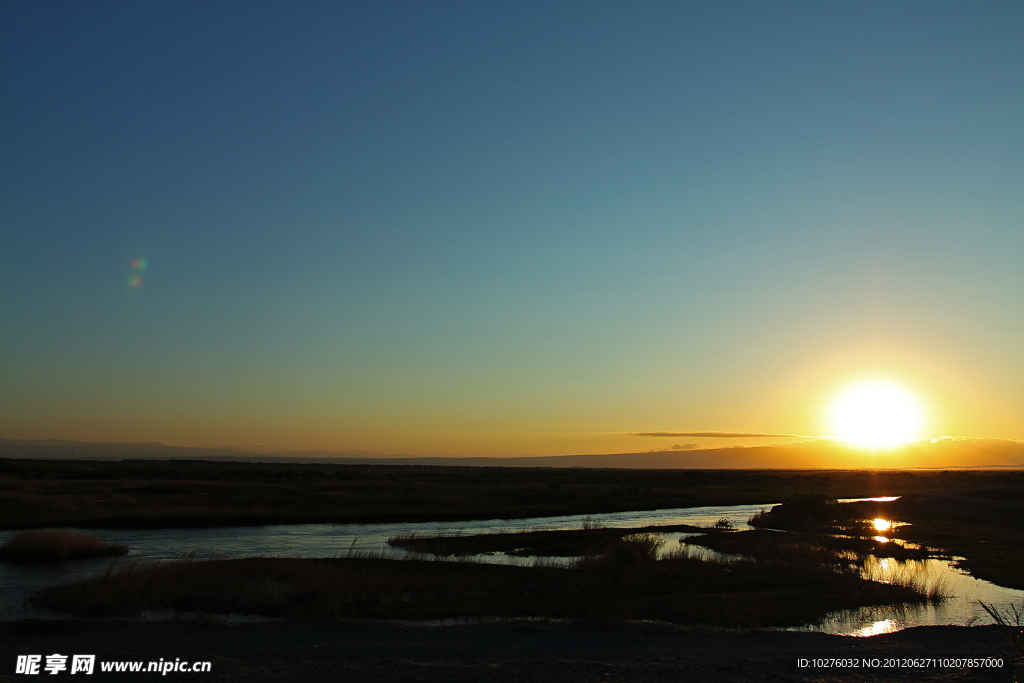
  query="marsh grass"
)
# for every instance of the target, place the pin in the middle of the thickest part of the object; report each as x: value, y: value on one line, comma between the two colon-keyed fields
x: 39, y: 546
x: 837, y: 554
x: 911, y: 575
x: 766, y: 543
x: 806, y: 513
x: 590, y: 540
x: 758, y: 518
x: 984, y: 535
x: 1010, y: 621
x: 628, y: 582
x: 636, y: 548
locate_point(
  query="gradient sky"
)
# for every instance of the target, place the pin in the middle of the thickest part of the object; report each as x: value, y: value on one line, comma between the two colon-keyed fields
x: 508, y: 227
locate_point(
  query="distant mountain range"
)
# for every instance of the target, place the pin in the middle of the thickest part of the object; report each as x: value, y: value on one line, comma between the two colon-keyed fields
x: 945, y: 453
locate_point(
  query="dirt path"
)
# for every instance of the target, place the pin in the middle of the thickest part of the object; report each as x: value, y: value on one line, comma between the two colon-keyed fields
x: 375, y: 652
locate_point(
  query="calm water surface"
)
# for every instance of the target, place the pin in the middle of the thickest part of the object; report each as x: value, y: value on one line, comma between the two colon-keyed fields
x: 17, y: 582
x: 326, y: 540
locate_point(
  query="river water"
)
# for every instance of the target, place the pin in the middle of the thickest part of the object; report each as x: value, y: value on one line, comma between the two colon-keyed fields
x: 17, y: 582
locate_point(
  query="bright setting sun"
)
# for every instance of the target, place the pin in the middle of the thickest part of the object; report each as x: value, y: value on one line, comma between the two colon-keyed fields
x: 876, y: 413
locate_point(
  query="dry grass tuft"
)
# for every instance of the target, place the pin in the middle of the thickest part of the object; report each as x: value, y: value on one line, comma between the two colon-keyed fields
x: 40, y: 546
x: 1010, y: 622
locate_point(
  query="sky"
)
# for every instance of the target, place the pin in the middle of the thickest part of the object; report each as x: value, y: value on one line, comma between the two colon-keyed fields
x: 464, y: 228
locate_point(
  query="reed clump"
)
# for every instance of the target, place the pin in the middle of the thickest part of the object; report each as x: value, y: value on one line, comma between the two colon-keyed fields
x: 806, y: 513
x: 911, y: 575
x: 39, y: 546
x: 1011, y: 620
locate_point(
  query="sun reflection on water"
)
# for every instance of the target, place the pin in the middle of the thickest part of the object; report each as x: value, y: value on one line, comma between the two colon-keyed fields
x: 877, y: 628
x: 882, y: 524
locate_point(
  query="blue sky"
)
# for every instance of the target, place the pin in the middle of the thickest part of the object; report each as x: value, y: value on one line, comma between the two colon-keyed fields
x: 475, y: 228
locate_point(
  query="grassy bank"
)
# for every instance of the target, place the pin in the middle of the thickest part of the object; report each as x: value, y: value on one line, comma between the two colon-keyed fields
x: 157, y: 494
x: 39, y: 546
x: 625, y: 584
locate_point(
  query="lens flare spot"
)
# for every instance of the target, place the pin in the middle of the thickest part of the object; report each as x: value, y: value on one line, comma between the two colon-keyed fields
x: 140, y: 264
x: 134, y: 282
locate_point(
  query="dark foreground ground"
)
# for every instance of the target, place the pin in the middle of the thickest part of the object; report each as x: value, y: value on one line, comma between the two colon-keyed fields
x: 378, y: 652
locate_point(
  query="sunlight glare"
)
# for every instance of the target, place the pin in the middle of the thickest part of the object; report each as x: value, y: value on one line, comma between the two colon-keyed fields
x: 876, y: 413
x: 882, y: 524
x: 877, y: 628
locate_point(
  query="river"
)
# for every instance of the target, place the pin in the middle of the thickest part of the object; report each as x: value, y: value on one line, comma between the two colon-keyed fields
x: 17, y: 582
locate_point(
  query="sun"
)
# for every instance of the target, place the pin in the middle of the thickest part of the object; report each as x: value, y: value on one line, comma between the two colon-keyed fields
x: 876, y: 413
